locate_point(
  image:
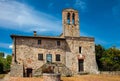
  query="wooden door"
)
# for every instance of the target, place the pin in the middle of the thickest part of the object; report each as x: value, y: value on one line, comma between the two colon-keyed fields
x: 29, y: 72
x: 80, y: 65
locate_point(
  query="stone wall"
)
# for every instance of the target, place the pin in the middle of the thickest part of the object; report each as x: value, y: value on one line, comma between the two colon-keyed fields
x: 87, y: 54
x: 51, y: 77
x: 71, y: 29
x: 110, y: 72
x: 16, y: 70
x: 27, y: 50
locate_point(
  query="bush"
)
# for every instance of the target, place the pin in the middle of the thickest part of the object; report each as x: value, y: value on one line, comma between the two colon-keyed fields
x: 5, y: 64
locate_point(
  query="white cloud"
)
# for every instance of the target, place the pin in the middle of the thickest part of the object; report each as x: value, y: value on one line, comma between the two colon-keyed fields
x: 11, y: 46
x: 80, y: 4
x: 18, y: 16
x: 5, y: 45
x: 5, y: 54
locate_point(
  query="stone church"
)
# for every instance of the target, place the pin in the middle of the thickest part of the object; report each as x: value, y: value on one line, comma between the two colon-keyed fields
x: 67, y: 54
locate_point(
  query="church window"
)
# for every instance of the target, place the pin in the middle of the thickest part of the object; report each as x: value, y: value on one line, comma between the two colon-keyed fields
x: 68, y: 18
x: 40, y: 56
x: 73, y: 18
x: 57, y: 57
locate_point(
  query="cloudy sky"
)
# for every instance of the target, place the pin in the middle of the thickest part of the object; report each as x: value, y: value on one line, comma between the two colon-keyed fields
x: 98, y: 18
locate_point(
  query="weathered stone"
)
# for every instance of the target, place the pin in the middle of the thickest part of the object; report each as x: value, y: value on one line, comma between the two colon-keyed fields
x: 16, y: 70
x: 26, y: 50
x: 51, y: 77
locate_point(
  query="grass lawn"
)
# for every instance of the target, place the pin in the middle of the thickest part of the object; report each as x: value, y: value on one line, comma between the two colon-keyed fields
x: 2, y: 76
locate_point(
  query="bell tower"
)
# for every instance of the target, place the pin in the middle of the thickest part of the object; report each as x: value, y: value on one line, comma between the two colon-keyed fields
x: 70, y: 21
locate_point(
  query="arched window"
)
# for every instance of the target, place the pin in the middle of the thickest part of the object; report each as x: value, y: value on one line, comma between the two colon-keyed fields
x: 73, y: 18
x: 68, y: 18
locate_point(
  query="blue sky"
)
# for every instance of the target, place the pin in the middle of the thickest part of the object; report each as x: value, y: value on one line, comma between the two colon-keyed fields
x: 98, y: 18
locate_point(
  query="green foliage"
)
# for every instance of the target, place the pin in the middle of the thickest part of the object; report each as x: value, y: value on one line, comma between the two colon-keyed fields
x: 99, y: 52
x: 1, y: 64
x: 108, y: 59
x: 1, y: 54
x: 5, y: 63
x: 9, y: 59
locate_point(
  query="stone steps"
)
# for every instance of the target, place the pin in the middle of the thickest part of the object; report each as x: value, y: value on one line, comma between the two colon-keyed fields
x: 53, y: 68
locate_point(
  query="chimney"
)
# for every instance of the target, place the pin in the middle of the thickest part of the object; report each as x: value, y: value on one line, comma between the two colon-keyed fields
x: 35, y: 33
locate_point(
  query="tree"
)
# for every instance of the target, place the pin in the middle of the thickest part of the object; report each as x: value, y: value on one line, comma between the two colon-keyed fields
x: 1, y: 54
x: 107, y: 59
x: 5, y: 63
x: 99, y: 50
x: 1, y: 65
x: 111, y: 59
x: 8, y: 63
x: 9, y: 59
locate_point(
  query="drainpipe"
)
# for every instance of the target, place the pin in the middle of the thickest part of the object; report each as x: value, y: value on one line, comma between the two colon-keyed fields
x: 15, y: 50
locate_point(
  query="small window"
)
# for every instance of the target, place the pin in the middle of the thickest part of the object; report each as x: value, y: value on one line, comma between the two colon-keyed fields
x: 40, y: 56
x: 58, y: 43
x: 73, y: 18
x: 58, y: 57
x: 79, y: 49
x: 49, y: 58
x: 39, y: 42
x: 68, y: 18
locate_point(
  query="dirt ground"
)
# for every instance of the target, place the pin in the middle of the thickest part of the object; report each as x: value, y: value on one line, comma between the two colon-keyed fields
x: 75, y: 78
x: 25, y: 79
x: 93, y: 78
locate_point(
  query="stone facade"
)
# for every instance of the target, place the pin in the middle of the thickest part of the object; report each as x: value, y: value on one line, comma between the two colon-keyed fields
x: 87, y: 54
x: 77, y: 53
x: 70, y: 21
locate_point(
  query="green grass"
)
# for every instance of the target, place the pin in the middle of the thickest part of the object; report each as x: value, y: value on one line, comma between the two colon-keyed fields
x: 2, y: 76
